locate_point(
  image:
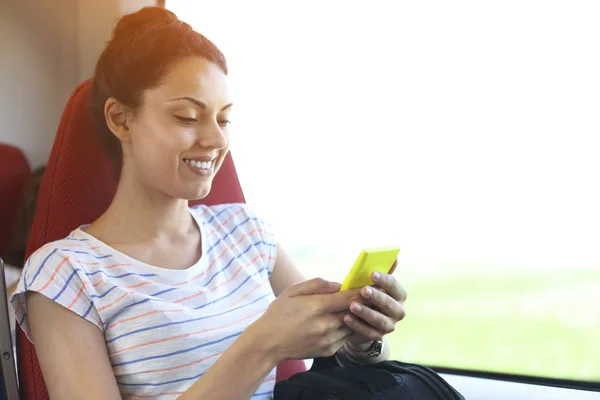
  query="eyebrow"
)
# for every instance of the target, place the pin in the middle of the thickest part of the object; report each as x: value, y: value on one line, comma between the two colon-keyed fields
x: 199, y: 103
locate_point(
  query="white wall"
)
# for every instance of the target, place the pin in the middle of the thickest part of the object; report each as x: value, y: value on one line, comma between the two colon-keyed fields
x: 38, y: 70
x: 47, y: 48
x: 95, y: 21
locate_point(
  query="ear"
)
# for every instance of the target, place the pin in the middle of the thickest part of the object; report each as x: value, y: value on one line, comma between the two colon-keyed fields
x: 118, y: 118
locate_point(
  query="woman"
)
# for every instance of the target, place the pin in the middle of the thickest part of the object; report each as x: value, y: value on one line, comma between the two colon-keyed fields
x: 163, y: 301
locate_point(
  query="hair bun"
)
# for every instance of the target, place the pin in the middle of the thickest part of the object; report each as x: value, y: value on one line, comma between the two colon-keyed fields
x: 145, y: 19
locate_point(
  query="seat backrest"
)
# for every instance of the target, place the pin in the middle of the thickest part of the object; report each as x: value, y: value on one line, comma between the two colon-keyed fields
x: 77, y: 187
x: 14, y: 173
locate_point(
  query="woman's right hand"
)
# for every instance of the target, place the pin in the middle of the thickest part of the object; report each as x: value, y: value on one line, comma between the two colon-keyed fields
x: 305, y: 321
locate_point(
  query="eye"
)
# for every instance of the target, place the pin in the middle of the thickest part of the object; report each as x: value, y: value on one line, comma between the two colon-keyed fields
x: 186, y: 120
x: 224, y: 123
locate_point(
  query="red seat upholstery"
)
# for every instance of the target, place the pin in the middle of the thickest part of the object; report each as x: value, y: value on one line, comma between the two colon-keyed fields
x: 14, y: 173
x: 77, y: 187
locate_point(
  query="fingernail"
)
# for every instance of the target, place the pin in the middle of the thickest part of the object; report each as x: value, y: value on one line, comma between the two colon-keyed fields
x: 368, y: 292
x: 348, y: 319
x: 356, y: 307
x: 376, y: 276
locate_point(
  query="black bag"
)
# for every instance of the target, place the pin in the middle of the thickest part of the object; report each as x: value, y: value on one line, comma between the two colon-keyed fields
x: 383, y: 381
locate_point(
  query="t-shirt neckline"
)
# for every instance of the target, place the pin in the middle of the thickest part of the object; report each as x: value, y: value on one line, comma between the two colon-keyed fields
x: 200, y: 264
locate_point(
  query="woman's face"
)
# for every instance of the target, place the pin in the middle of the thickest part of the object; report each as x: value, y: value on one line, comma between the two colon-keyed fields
x: 178, y: 139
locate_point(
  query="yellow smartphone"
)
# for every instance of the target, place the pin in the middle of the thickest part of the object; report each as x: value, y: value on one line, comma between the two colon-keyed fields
x: 379, y: 259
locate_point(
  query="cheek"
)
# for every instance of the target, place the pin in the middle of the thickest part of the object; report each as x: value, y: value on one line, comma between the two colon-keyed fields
x: 157, y: 149
x: 221, y: 158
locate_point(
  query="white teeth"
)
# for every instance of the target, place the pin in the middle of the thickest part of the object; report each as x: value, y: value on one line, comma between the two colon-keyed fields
x: 199, y: 164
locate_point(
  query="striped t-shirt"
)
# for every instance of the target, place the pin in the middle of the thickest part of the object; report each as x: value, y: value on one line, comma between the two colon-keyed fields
x: 163, y: 328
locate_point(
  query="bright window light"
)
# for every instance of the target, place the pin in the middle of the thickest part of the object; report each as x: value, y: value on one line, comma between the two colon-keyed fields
x: 466, y: 132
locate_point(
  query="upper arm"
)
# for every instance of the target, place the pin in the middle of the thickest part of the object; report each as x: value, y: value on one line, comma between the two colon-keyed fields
x: 284, y: 272
x: 71, y: 352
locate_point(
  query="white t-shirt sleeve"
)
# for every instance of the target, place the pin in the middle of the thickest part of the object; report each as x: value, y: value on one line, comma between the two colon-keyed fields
x: 268, y: 242
x: 55, y: 274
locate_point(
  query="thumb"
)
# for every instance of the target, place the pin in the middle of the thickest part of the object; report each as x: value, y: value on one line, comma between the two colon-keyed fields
x: 394, y: 265
x: 313, y: 286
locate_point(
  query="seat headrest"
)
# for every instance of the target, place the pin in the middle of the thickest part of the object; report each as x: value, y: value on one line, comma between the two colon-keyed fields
x: 79, y: 184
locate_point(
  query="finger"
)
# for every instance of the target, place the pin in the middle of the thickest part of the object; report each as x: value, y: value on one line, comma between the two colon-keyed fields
x: 363, y: 328
x: 337, y: 321
x: 313, y: 286
x: 384, y: 303
x: 337, y: 328
x: 390, y: 285
x: 340, y: 301
x: 339, y: 342
x: 376, y: 319
x: 394, y: 265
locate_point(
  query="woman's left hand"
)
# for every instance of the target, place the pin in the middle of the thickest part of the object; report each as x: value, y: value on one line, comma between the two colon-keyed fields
x: 381, y: 308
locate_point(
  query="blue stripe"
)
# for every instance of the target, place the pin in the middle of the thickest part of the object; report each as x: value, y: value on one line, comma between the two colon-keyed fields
x: 105, y: 323
x: 174, y: 353
x: 99, y: 296
x: 87, y: 253
x: 184, y: 321
x: 113, y: 276
x: 88, y: 310
x: 162, y: 383
x: 164, y: 291
x: 42, y: 266
x: 221, y: 212
x: 206, y: 284
x: 66, y: 284
x: 231, y: 261
x: 20, y: 323
x: 78, y: 240
x: 230, y: 232
x: 74, y: 238
x: 146, y: 300
x: 263, y: 394
x: 232, y: 292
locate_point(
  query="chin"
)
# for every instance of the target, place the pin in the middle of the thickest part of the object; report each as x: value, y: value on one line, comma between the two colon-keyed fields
x: 196, y: 193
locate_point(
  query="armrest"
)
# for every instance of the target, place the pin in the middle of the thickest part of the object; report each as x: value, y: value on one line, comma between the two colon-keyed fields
x: 7, y: 360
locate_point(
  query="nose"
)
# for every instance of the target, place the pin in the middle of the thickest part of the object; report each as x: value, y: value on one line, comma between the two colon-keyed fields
x: 212, y: 136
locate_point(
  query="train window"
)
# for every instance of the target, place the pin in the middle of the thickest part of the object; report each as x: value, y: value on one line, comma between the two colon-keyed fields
x: 466, y: 132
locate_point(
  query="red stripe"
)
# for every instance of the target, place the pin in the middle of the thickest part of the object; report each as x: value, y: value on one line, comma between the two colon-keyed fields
x: 58, y: 267
x: 137, y: 346
x: 141, y: 316
x: 215, y: 260
x: 224, y: 222
x: 181, y: 366
x: 20, y: 305
x: 76, y: 297
x: 117, y: 265
x: 222, y: 284
x: 247, y: 294
x: 114, y: 302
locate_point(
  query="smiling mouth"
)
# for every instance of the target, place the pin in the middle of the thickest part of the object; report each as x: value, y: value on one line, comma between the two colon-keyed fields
x: 200, y: 167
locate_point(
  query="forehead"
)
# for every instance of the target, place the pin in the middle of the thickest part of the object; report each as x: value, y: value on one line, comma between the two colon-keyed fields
x: 194, y: 77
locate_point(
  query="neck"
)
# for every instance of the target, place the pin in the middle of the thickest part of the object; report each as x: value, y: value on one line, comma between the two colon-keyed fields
x: 138, y: 212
